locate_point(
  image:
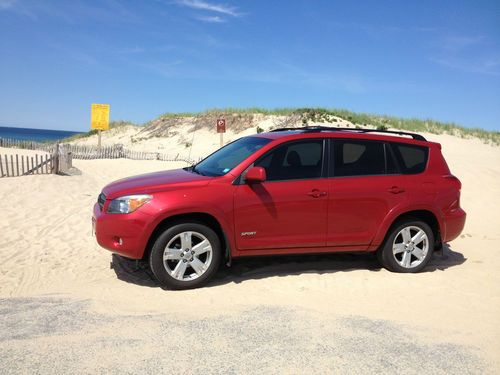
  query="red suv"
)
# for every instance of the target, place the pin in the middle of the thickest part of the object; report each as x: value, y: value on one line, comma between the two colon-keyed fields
x: 288, y: 191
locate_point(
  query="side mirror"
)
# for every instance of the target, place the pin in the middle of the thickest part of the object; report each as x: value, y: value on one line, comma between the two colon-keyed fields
x: 255, y: 175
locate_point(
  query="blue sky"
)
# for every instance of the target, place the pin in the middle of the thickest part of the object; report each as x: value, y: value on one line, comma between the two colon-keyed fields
x: 425, y: 59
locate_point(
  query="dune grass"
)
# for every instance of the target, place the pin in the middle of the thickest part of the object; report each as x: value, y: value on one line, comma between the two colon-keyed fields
x: 112, y: 125
x: 329, y: 115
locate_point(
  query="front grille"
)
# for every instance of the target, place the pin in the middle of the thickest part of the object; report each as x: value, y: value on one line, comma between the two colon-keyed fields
x: 101, y: 199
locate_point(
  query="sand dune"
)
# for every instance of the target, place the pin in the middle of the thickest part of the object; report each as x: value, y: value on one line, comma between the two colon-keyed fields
x: 291, y: 314
x: 189, y: 136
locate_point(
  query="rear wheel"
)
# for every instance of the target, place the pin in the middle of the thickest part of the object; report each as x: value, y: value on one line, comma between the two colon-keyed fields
x: 185, y: 256
x: 408, y: 247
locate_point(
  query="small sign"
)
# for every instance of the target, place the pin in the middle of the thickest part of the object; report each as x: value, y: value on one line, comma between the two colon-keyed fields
x: 221, y: 126
x: 99, y: 117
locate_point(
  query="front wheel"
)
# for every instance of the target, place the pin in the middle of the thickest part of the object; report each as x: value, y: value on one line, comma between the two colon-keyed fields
x: 408, y: 247
x: 185, y: 256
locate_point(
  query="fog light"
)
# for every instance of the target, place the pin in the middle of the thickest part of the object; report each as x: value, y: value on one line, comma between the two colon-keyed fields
x: 118, y: 241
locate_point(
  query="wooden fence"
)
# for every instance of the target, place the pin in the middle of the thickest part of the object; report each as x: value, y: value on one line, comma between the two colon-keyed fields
x: 60, y: 161
x: 118, y: 151
x: 27, y: 145
x: 22, y: 165
x: 94, y: 152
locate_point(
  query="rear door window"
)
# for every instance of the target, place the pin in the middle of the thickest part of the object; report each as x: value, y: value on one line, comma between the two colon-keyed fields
x: 357, y: 158
x: 412, y: 159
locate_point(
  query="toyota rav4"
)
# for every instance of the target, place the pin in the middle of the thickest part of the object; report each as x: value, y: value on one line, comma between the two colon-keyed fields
x: 288, y: 191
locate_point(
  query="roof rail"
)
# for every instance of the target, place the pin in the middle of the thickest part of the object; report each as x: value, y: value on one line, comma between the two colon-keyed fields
x: 314, y: 129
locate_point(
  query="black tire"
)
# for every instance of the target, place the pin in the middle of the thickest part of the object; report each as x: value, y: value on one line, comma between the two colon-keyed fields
x: 156, y: 256
x: 385, y: 253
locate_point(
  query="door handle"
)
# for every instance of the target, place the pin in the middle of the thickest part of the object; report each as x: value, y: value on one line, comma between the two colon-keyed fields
x: 396, y: 190
x: 315, y: 193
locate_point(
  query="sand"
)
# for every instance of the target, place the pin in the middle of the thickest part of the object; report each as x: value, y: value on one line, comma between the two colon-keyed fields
x: 68, y: 306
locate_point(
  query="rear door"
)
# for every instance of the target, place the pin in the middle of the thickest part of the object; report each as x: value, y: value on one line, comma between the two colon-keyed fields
x: 290, y: 208
x: 412, y: 161
x: 365, y: 185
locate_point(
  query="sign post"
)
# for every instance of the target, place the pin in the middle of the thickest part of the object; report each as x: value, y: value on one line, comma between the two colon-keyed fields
x: 99, y: 119
x: 221, y: 129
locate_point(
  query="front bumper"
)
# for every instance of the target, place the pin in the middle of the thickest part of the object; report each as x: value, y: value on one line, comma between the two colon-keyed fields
x: 124, y: 234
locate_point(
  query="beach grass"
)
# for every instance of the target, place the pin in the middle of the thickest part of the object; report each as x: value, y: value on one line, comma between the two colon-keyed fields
x: 331, y: 115
x: 112, y: 125
x: 379, y: 121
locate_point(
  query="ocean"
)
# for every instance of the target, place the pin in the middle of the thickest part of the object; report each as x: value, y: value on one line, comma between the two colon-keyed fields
x: 39, y: 135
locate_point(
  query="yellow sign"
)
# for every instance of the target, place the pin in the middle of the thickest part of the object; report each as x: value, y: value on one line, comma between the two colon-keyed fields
x: 99, y: 118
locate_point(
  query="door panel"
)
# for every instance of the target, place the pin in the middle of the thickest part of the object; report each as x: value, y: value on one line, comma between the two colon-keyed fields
x: 366, y: 186
x: 281, y: 214
x: 357, y: 206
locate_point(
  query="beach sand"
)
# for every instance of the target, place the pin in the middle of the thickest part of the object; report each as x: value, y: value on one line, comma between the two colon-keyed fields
x: 68, y: 306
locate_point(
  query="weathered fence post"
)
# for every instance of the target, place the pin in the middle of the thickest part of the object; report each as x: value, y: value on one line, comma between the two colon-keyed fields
x: 64, y: 158
x: 55, y: 157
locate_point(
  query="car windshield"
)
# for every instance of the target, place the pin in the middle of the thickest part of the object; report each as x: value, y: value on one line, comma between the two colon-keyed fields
x: 229, y: 156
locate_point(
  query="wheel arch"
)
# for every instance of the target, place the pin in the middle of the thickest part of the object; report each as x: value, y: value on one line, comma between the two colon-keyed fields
x: 193, y: 217
x: 424, y: 215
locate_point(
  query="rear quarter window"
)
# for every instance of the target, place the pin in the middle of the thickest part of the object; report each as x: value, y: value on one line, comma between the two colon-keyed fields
x: 412, y: 159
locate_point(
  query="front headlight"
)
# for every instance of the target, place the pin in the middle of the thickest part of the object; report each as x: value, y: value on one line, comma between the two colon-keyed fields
x: 128, y: 204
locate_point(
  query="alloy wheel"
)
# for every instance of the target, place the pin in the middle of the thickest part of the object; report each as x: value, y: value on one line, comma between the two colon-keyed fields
x: 410, y: 246
x: 187, y: 256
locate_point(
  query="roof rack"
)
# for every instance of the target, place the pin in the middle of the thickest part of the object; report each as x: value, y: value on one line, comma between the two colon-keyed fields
x: 314, y: 129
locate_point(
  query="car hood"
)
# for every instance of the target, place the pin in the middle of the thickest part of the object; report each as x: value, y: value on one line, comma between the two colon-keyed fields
x: 153, y: 182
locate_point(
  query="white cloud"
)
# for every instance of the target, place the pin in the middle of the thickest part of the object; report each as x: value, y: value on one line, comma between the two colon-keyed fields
x: 131, y: 50
x: 456, y: 43
x: 6, y: 4
x: 488, y: 66
x: 204, y: 5
x: 468, y: 53
x: 211, y: 19
x: 165, y: 69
